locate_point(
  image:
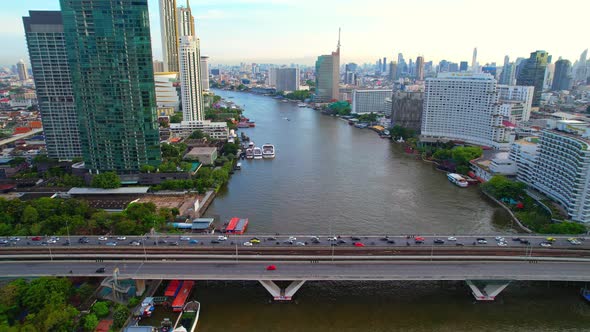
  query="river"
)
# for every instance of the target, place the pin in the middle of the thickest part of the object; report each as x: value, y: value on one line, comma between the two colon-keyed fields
x: 331, y: 177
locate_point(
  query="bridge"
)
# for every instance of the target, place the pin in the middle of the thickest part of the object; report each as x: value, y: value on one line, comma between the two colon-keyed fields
x: 487, y: 268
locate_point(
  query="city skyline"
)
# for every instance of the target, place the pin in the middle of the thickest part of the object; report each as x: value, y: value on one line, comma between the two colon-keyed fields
x: 273, y: 31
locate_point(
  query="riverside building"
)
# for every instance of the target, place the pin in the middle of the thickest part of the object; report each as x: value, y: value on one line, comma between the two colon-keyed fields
x: 370, y: 101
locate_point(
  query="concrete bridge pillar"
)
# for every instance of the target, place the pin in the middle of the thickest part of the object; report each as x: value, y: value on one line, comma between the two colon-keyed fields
x: 282, y: 294
x: 139, y: 287
x: 484, y: 290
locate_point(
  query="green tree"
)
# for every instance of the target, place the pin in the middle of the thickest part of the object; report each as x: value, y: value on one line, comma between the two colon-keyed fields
x: 463, y: 155
x: 176, y: 118
x: 197, y: 134
x: 340, y: 108
x: 500, y: 187
x: 101, y: 309
x: 120, y: 316
x: 30, y: 215
x: 107, y: 180
x: 230, y: 148
x: 90, y: 322
x: 147, y: 169
x: 371, y: 117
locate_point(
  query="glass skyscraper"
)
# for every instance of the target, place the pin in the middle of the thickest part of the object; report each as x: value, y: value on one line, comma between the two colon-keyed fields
x: 109, y: 51
x: 533, y: 74
x: 49, y: 62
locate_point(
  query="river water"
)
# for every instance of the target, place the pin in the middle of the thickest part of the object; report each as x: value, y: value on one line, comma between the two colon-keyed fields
x: 329, y: 177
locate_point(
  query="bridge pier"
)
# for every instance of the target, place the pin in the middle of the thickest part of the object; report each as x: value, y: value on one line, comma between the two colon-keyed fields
x: 484, y: 290
x: 139, y: 287
x: 282, y: 294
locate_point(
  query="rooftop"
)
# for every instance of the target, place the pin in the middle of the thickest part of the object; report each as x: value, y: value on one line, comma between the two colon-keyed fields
x: 201, y: 150
x: 117, y: 191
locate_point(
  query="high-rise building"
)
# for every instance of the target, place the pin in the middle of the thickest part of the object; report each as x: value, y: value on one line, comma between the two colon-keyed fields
x: 465, y: 108
x: 420, y: 68
x: 169, y: 33
x: 453, y: 67
x: 464, y: 66
x: 205, y: 73
x: 379, y: 66
x: 474, y: 65
x: 327, y: 70
x: 191, y: 92
x: 392, y: 70
x: 562, y: 79
x: 533, y: 74
x: 287, y: 79
x: 515, y: 102
x: 186, y: 21
x: 407, y: 109
x: 166, y: 93
x: 272, y: 77
x: 384, y: 67
x: 158, y: 66
x: 21, y: 69
x: 507, y: 75
x: 582, y: 69
x: 49, y: 62
x: 369, y: 101
x: 110, y: 59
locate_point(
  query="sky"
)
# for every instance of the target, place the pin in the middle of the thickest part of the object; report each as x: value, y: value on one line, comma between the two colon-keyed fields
x: 297, y: 31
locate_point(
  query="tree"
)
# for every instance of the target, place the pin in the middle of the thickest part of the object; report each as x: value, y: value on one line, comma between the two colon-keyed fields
x: 340, y: 108
x: 90, y: 322
x: 371, y: 117
x: 100, y: 309
x: 197, y: 134
x: 500, y: 187
x: 108, y: 180
x: 230, y: 148
x: 30, y: 215
x: 120, y: 316
x: 176, y: 118
x: 463, y: 155
x: 147, y: 169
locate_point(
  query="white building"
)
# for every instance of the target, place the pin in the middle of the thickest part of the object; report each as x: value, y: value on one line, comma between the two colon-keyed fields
x: 166, y: 94
x: 216, y: 130
x: 271, y: 79
x: 371, y: 101
x: 190, y: 79
x: 205, y: 73
x: 464, y: 107
x: 516, y: 102
x: 23, y: 73
x: 524, y: 153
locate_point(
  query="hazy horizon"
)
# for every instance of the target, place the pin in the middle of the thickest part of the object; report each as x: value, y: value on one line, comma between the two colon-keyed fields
x: 289, y: 31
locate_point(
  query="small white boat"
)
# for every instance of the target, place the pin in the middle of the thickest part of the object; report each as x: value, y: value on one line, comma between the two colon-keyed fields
x: 257, y: 153
x: 251, y: 145
x: 249, y: 153
x: 457, y: 179
x: 268, y: 151
x: 238, y: 166
x: 301, y: 105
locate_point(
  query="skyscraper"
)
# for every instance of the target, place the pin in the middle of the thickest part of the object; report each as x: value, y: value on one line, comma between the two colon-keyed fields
x: 110, y: 59
x: 582, y: 70
x: 384, y: 67
x: 205, y: 73
x: 169, y: 32
x: 463, y: 66
x: 21, y: 68
x: 327, y: 70
x: 186, y: 21
x: 507, y: 75
x: 392, y: 70
x: 533, y: 74
x: 562, y: 79
x: 474, y: 65
x: 189, y: 56
x: 49, y: 62
x: 420, y: 68
x: 287, y: 79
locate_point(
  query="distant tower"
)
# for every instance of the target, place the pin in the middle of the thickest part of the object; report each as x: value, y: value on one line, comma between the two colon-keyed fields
x: 420, y: 68
x: 384, y: 68
x: 562, y: 78
x: 205, y: 73
x: 533, y: 74
x: 169, y: 33
x: 327, y: 69
x: 21, y: 69
x: 474, y: 66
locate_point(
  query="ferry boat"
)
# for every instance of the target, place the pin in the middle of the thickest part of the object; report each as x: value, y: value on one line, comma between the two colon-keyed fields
x: 268, y: 151
x: 249, y: 153
x: 183, y: 294
x: 257, y: 152
x: 187, y: 321
x: 457, y: 179
x: 243, y: 125
x: 301, y: 105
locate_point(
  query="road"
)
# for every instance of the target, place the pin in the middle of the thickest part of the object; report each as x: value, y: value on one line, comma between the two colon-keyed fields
x: 360, y: 270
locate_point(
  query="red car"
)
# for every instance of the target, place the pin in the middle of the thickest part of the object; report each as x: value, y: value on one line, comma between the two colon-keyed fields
x: 271, y: 268
x: 358, y: 244
x: 36, y: 238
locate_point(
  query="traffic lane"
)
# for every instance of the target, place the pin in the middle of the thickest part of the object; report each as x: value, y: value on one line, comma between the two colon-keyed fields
x: 316, y: 271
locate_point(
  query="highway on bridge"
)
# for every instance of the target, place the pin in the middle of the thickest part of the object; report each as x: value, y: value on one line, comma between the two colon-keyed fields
x: 359, y: 270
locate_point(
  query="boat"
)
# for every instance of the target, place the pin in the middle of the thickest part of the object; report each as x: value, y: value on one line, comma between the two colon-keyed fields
x: 243, y: 125
x: 166, y: 325
x: 249, y: 153
x: 237, y: 226
x: 251, y: 145
x: 187, y: 321
x: 585, y: 292
x: 257, y: 152
x: 385, y: 134
x: 301, y: 105
x: 183, y: 294
x: 173, y: 288
x: 457, y: 179
x: 251, y: 124
x: 238, y: 166
x: 268, y: 151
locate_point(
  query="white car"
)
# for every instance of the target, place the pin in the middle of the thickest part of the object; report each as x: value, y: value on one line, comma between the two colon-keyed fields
x: 502, y: 244
x: 452, y: 238
x: 545, y: 244
x: 121, y: 238
x: 14, y: 239
x: 185, y: 238
x: 292, y: 238
x: 135, y: 243
x: 102, y: 238
x: 499, y: 239
x: 248, y: 244
x: 52, y: 241
x: 221, y: 238
x: 301, y: 244
x: 332, y: 238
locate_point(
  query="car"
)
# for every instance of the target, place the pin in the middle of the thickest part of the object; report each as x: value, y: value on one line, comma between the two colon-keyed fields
x: 451, y: 238
x: 222, y: 238
x: 215, y: 241
x: 416, y: 241
x: 499, y: 239
x: 576, y: 242
x: 44, y: 243
x: 66, y: 243
x: 299, y: 243
x: 173, y: 243
x: 288, y: 241
x: 550, y: 239
x: 271, y: 238
x: 391, y: 241
x: 36, y: 238
x: 134, y: 243
x: 55, y: 238
x: 517, y: 239
x: 545, y: 244
x: 52, y: 241
x: 315, y: 240
x: 254, y: 241
x: 162, y: 241
x: 121, y: 238
x: 419, y: 238
x: 482, y: 241
x: 193, y: 241
x: 100, y: 270
x: 525, y: 241
x: 332, y: 238
x: 355, y: 238
x: 341, y: 241
x: 3, y: 241
x: 14, y: 239
x: 292, y: 238
x: 111, y: 243
x: 358, y: 244
x: 459, y: 244
x: 439, y: 241
x: 185, y: 238
x: 102, y: 238
x: 386, y: 238
x: 83, y: 240
x: 248, y: 244
x: 502, y: 244
x: 271, y: 268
